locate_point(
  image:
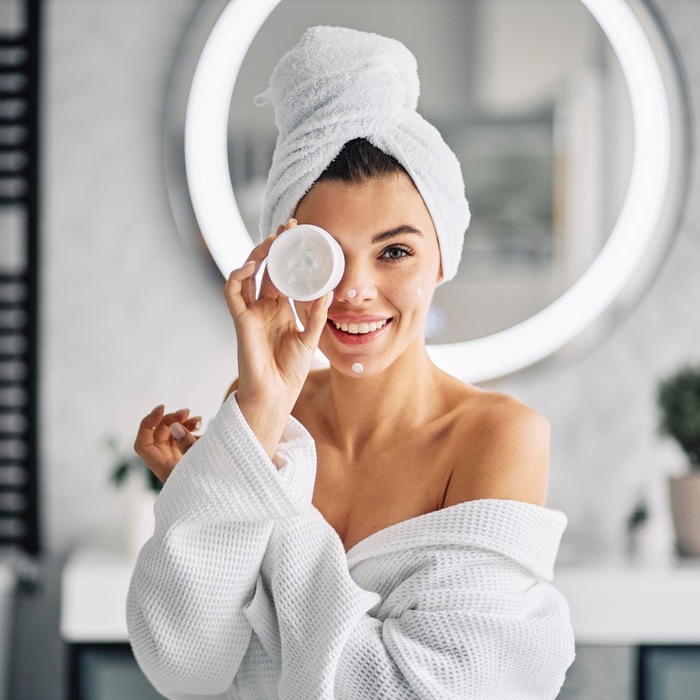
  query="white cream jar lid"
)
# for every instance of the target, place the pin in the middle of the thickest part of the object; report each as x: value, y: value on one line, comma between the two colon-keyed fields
x: 305, y: 262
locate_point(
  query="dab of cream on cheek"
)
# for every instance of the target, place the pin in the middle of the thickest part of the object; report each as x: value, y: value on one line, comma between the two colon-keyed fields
x: 357, y: 368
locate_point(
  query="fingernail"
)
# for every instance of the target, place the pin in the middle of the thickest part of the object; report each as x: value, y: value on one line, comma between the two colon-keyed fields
x: 177, y: 431
x: 198, y: 424
x: 292, y: 222
x: 329, y: 299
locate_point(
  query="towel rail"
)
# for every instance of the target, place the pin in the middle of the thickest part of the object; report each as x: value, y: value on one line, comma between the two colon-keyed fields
x: 19, y: 275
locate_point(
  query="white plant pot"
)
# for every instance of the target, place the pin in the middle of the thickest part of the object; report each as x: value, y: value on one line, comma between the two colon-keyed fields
x: 685, y: 507
x: 140, y: 516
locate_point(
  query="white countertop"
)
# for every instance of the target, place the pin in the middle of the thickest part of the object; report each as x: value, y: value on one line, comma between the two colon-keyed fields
x: 94, y: 586
x: 626, y: 602
x: 618, y: 602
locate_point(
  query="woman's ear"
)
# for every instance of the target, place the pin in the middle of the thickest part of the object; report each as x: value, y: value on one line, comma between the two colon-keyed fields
x: 439, y: 273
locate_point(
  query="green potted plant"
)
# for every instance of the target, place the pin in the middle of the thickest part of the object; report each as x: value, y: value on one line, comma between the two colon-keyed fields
x: 678, y: 399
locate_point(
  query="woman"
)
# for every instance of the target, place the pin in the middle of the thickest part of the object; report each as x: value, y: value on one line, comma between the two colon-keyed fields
x: 376, y: 529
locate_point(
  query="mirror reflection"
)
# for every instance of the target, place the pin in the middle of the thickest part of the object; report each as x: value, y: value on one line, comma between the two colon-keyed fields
x: 529, y: 95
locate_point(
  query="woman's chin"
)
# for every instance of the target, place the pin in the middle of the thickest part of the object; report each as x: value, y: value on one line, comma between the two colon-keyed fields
x: 352, y: 368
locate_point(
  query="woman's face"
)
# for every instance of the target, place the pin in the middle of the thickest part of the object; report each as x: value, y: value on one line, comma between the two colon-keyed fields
x: 392, y: 266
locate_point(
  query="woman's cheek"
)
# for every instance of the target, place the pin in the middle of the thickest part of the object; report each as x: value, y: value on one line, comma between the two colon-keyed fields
x: 415, y: 287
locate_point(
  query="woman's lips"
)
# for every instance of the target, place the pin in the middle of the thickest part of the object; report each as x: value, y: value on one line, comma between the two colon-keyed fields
x: 351, y: 333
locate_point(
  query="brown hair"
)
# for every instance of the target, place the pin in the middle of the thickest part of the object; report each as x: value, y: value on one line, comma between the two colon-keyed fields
x: 359, y: 161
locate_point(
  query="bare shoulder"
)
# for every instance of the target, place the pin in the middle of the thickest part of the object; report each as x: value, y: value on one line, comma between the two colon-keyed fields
x: 503, y: 450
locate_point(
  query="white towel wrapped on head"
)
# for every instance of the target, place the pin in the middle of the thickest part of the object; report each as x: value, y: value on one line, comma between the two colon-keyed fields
x: 340, y: 84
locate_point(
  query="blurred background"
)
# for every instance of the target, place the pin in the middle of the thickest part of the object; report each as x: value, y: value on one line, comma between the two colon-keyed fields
x: 130, y: 313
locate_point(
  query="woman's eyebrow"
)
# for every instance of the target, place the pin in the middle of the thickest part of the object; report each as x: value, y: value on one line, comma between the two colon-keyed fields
x: 392, y: 233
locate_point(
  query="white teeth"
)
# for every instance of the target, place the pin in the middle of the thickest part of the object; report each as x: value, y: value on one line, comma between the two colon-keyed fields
x: 360, y: 328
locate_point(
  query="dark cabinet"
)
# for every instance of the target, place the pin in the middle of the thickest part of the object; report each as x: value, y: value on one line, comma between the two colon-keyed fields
x: 106, y: 672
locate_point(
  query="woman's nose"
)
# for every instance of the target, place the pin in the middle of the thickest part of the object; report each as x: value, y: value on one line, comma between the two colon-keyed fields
x: 356, y: 287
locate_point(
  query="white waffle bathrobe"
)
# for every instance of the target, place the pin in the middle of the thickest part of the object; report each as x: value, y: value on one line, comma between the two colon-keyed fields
x: 245, y: 591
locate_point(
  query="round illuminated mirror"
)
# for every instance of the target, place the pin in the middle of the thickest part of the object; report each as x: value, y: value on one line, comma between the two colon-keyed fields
x: 567, y: 116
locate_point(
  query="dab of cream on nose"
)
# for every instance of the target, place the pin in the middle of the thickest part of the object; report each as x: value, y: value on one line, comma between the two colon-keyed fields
x: 352, y: 293
x: 357, y: 368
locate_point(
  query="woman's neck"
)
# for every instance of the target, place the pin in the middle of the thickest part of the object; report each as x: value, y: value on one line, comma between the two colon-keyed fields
x: 365, y: 414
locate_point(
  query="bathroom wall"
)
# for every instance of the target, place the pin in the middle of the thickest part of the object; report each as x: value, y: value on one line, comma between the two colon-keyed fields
x: 130, y: 319
x: 606, y: 453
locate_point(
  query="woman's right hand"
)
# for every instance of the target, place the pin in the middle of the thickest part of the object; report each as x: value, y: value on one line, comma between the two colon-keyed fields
x: 274, y: 356
x: 163, y: 438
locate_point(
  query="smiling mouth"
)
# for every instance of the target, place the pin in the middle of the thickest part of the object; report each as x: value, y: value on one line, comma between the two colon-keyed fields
x: 360, y: 328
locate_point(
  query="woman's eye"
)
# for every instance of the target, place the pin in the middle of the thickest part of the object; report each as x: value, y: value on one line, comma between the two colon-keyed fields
x: 396, y: 252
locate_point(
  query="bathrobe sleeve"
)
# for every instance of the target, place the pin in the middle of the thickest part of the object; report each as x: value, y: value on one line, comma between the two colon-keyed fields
x: 471, y: 620
x: 193, y: 578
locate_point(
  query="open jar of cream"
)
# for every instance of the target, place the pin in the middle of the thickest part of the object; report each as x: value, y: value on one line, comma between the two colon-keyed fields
x: 305, y: 262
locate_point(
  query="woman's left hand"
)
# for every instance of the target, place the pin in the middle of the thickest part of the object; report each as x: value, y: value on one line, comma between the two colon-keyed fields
x: 274, y: 356
x: 163, y: 438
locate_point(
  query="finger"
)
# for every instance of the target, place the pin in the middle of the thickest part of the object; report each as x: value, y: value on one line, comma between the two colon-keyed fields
x: 267, y: 289
x: 152, y: 419
x: 146, y: 445
x: 318, y: 315
x: 161, y: 434
x: 192, y: 424
x: 144, y: 435
x: 285, y: 227
x: 240, y: 287
x: 183, y: 437
x: 232, y: 290
x: 181, y: 415
x: 257, y: 255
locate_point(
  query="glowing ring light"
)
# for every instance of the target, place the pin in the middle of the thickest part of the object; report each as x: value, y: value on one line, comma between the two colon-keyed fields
x: 214, y: 204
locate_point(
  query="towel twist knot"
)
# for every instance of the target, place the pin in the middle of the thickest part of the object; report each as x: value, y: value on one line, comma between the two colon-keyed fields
x: 369, y: 79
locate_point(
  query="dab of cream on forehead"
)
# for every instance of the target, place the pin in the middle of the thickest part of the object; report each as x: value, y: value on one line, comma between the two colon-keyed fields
x: 357, y: 368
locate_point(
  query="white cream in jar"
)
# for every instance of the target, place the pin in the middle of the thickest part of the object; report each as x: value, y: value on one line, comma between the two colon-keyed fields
x: 305, y: 262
